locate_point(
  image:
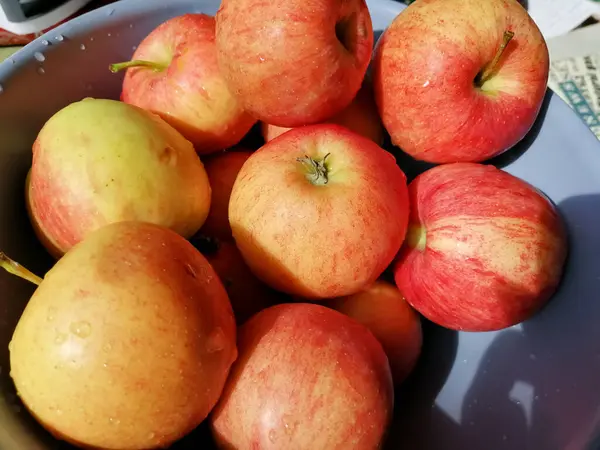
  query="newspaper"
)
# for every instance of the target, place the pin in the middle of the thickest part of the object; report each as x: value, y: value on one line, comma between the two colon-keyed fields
x: 575, y: 73
x: 558, y: 17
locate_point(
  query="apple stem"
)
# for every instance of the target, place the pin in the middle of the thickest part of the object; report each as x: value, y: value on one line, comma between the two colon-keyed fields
x: 416, y: 237
x: 316, y: 169
x: 489, y: 70
x: 17, y: 269
x: 114, y: 68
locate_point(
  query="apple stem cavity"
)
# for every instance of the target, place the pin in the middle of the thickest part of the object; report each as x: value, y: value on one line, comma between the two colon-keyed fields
x: 316, y: 169
x: 17, y: 269
x: 485, y: 75
x: 116, y: 67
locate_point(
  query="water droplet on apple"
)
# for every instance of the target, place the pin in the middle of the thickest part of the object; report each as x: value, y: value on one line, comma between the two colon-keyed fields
x: 272, y: 435
x: 82, y: 46
x: 532, y: 357
x: 39, y: 56
x: 504, y: 437
x: 426, y: 83
x: 130, y: 25
x: 537, y: 397
x: 109, y: 34
x: 45, y: 42
x: 60, y: 338
x: 216, y: 341
x: 81, y: 329
x: 59, y: 37
x: 151, y: 435
x: 92, y: 39
x: 41, y: 70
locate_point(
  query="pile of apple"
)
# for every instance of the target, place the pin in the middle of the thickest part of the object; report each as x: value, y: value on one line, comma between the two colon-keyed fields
x: 198, y: 279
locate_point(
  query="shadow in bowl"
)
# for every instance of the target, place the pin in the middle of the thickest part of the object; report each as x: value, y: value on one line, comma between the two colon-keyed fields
x: 415, y: 414
x: 515, y: 152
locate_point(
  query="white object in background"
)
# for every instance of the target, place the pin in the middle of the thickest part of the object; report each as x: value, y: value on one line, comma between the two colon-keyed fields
x: 44, y: 21
x: 558, y: 17
x: 575, y: 72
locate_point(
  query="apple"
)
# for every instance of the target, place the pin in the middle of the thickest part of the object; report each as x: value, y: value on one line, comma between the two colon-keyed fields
x: 319, y: 212
x: 292, y: 62
x: 382, y: 308
x: 222, y: 169
x: 460, y: 81
x: 306, y: 377
x: 485, y: 250
x: 247, y: 294
x: 100, y: 161
x: 127, y: 342
x: 174, y: 73
x: 360, y: 116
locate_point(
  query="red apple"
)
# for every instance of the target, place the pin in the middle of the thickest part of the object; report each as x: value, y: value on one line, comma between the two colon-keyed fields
x: 319, y: 212
x: 485, y: 250
x: 382, y: 308
x: 360, y: 116
x: 97, y: 162
x: 222, y: 169
x: 174, y: 73
x: 460, y: 81
x: 292, y: 62
x: 248, y: 295
x: 306, y: 377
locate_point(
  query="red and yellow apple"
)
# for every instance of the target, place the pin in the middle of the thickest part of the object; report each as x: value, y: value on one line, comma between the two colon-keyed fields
x: 319, y: 212
x: 100, y: 161
x: 360, y: 116
x: 247, y: 294
x: 306, y: 377
x: 127, y: 342
x: 484, y: 251
x: 222, y: 169
x: 292, y: 62
x: 174, y: 73
x: 382, y: 308
x: 460, y: 81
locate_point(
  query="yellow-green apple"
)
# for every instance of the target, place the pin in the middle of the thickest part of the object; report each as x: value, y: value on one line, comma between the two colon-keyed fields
x: 222, y: 169
x: 319, y: 212
x: 127, y: 341
x: 307, y: 376
x: 100, y: 161
x: 382, y: 308
x: 247, y: 294
x: 460, y: 81
x: 485, y: 250
x: 174, y: 73
x: 360, y: 116
x: 293, y: 62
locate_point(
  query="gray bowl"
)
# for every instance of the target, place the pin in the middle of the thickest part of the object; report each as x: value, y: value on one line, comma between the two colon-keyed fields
x: 534, y: 386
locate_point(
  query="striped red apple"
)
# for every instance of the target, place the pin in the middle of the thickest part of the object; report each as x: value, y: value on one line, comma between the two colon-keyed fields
x: 462, y: 80
x: 484, y: 249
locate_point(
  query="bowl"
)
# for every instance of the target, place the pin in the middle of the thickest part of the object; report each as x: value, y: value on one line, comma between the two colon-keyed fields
x: 532, y: 386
